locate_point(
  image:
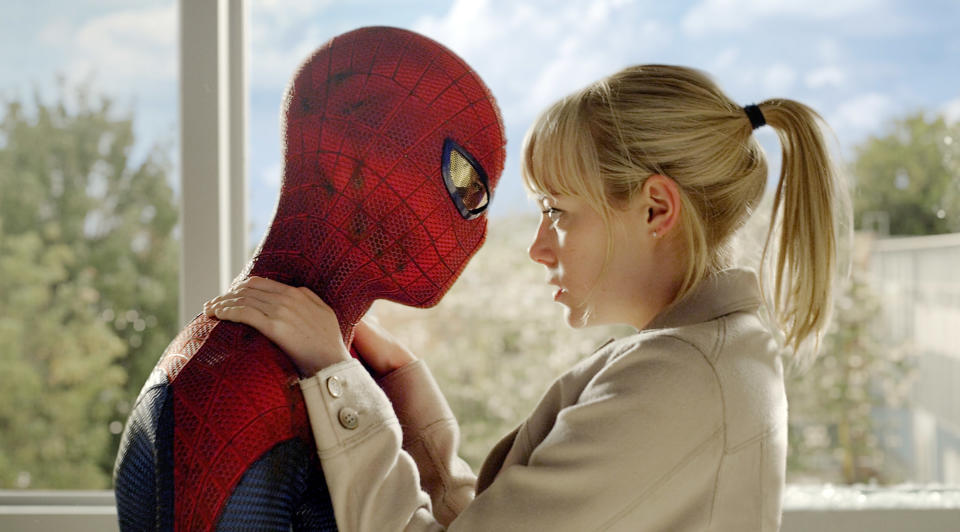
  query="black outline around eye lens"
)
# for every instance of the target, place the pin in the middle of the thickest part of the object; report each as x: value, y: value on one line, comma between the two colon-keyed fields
x: 468, y: 214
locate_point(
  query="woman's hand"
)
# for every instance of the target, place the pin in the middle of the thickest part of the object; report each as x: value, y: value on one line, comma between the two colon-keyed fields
x: 296, y: 319
x: 379, y: 349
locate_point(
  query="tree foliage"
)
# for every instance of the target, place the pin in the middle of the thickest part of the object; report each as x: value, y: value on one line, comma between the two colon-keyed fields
x: 88, y: 285
x: 910, y: 178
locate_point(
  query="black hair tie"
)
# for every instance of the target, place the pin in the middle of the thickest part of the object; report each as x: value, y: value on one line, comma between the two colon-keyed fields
x: 755, y: 116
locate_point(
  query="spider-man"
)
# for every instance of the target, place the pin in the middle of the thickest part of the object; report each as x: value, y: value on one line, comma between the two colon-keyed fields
x: 393, y: 146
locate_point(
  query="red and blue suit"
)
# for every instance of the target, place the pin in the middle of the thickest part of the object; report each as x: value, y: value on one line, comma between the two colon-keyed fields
x: 392, y: 148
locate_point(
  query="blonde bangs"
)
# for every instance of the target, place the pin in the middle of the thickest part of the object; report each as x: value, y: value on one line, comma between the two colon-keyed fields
x: 559, y: 154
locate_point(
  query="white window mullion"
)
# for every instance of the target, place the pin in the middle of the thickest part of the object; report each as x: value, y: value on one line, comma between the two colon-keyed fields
x: 239, y: 106
x: 213, y: 110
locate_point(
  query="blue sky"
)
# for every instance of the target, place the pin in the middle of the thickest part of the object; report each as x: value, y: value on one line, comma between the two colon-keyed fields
x: 859, y: 62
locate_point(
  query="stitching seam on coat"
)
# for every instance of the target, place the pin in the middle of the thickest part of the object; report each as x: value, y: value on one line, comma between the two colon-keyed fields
x: 763, y: 493
x: 718, y: 345
x: 766, y: 432
x: 663, y: 478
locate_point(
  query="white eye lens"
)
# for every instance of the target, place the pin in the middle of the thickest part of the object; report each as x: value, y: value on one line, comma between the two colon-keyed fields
x: 465, y: 180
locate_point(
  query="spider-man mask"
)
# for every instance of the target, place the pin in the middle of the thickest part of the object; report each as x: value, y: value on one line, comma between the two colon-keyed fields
x: 393, y: 147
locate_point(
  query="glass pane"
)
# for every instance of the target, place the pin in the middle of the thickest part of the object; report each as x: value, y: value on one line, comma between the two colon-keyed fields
x: 89, y: 253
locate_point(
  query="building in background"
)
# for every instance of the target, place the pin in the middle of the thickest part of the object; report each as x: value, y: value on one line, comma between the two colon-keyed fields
x: 918, y: 281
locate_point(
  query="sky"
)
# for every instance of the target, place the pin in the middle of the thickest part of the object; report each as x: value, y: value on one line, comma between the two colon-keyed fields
x: 860, y: 63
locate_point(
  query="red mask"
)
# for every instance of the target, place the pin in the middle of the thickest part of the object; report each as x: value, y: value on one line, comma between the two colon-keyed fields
x: 393, y: 146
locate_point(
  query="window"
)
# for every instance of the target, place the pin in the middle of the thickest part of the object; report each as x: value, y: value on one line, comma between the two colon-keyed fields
x: 54, y: 291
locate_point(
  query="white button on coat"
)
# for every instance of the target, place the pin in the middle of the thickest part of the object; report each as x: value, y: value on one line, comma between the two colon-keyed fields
x: 349, y: 418
x: 334, y: 386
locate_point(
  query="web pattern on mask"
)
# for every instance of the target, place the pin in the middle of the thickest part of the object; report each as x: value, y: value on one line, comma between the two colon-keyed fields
x: 372, y: 117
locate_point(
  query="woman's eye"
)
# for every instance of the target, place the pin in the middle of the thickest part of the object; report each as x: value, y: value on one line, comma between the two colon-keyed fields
x: 552, y: 213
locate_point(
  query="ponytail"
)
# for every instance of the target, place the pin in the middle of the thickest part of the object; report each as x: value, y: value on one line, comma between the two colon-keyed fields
x: 810, y: 208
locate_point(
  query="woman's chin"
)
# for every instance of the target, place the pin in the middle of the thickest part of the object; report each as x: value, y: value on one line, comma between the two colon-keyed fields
x: 576, y: 318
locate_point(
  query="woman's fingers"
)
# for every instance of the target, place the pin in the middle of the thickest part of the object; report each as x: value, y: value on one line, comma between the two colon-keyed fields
x: 294, y: 318
x: 267, y: 285
x: 244, y: 307
x: 382, y: 352
x: 275, y: 300
x: 248, y: 315
x: 266, y: 302
x: 258, y: 287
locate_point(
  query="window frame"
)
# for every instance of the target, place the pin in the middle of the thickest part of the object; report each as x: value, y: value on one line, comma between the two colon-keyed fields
x: 213, y: 108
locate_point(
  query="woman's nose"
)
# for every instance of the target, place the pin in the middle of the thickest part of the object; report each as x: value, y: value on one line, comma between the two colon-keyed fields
x: 540, y: 250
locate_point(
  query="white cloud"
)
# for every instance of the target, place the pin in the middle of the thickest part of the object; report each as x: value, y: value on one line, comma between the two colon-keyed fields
x: 733, y: 15
x: 125, y: 48
x: 726, y: 59
x: 779, y: 78
x: 272, y: 65
x: 282, y: 34
x: 473, y: 25
x: 828, y: 76
x: 532, y: 54
x: 861, y: 114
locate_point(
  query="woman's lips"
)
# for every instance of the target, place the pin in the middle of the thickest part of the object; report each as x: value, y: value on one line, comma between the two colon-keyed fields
x: 558, y: 293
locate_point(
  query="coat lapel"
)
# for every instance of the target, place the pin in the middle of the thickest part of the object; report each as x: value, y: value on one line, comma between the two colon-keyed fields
x: 494, y: 461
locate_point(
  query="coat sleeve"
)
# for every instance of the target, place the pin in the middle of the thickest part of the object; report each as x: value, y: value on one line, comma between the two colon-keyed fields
x: 386, y: 470
x: 431, y: 436
x: 644, y: 426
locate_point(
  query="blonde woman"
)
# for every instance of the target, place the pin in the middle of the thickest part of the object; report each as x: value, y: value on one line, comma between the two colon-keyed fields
x: 642, y: 178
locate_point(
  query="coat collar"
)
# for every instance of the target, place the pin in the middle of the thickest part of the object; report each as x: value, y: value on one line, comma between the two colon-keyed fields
x: 722, y: 293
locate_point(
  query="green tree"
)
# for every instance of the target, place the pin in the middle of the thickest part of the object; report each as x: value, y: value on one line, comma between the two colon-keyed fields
x: 909, y: 178
x: 88, y: 285
x: 61, y: 378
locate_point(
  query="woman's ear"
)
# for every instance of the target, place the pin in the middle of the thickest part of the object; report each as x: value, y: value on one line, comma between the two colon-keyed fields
x: 660, y: 197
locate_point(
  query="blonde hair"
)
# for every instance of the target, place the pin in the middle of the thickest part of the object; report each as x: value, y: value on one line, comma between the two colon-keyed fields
x: 602, y: 142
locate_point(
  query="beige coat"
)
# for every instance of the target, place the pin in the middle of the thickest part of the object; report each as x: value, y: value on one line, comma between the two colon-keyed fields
x: 679, y: 427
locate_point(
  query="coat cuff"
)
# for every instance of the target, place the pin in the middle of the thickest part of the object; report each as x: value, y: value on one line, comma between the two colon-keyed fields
x: 344, y: 405
x: 416, y: 397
